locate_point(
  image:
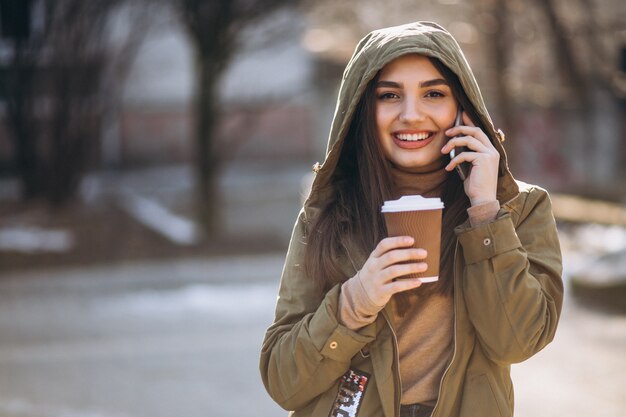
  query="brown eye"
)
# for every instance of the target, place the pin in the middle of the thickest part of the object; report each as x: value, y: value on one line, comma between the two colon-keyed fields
x: 435, y: 94
x: 388, y: 96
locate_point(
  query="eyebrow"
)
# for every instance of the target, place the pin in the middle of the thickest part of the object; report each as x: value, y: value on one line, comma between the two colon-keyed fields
x: 428, y: 83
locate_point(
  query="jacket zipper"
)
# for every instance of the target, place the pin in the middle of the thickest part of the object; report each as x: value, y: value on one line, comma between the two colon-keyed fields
x: 398, y: 392
x: 445, y: 373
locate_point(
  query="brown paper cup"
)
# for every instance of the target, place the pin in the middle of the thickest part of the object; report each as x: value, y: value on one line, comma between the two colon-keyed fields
x: 425, y: 227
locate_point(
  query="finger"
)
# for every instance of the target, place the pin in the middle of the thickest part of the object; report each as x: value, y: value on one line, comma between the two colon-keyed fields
x: 468, y: 128
x: 467, y: 141
x: 402, y: 255
x: 397, y: 271
x: 390, y: 243
x: 470, y: 157
x: 462, y: 129
x: 474, y: 158
x: 404, y: 284
x: 474, y: 132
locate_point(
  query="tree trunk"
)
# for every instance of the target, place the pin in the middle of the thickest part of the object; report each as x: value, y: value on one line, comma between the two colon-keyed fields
x: 214, y: 28
x: 206, y: 158
x: 500, y: 47
x: 19, y: 91
x: 74, y: 127
x: 565, y: 59
x: 53, y: 100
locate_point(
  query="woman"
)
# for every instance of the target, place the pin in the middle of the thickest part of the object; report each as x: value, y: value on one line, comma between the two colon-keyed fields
x: 349, y: 337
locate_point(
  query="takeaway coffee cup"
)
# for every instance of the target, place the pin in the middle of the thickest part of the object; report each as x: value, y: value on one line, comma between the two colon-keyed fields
x: 419, y: 217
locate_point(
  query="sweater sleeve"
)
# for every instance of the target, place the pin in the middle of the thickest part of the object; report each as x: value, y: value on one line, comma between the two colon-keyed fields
x: 483, y: 213
x: 356, y: 308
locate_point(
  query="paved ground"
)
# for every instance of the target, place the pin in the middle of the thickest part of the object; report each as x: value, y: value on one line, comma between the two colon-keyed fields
x: 182, y: 338
x: 160, y: 339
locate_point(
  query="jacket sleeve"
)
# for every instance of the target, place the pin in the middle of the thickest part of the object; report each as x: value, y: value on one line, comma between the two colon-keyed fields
x: 512, y: 279
x: 306, y: 350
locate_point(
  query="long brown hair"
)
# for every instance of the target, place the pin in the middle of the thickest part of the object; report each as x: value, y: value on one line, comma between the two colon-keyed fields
x: 360, y: 183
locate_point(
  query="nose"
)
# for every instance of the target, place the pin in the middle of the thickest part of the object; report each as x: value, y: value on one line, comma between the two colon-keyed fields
x: 411, y: 112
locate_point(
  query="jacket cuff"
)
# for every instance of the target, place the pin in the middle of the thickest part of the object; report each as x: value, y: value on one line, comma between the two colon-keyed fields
x: 342, y: 343
x: 488, y: 240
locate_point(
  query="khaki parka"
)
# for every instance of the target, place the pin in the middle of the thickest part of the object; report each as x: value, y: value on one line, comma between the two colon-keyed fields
x: 507, y: 282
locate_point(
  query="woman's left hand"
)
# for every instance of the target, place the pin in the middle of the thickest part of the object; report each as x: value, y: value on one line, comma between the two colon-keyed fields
x: 482, y: 182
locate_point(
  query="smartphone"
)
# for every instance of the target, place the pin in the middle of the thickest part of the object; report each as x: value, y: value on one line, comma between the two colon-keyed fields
x: 463, y: 169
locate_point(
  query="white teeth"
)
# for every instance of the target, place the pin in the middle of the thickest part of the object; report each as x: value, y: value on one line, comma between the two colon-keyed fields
x: 412, y: 136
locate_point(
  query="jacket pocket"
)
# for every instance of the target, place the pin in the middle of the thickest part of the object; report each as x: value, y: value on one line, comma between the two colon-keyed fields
x: 480, y: 399
x: 353, y: 395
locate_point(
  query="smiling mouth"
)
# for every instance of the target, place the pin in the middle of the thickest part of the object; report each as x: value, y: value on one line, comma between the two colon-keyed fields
x: 413, y: 137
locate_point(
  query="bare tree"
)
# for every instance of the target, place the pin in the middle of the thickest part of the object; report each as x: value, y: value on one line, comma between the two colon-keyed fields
x: 566, y: 63
x: 215, y: 28
x: 55, y: 94
x: 498, y: 36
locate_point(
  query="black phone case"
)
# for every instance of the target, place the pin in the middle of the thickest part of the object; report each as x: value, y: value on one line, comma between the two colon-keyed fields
x: 464, y: 168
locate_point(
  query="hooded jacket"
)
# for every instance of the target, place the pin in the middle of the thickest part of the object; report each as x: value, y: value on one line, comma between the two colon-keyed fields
x: 507, y: 282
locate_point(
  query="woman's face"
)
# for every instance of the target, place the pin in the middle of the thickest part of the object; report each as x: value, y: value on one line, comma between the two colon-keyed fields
x: 414, y: 107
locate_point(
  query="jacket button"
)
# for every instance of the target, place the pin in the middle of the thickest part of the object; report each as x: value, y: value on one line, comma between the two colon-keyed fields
x: 333, y: 345
x: 487, y: 242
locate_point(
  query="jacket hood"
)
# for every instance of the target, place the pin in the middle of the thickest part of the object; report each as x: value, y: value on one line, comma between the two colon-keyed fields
x: 375, y: 51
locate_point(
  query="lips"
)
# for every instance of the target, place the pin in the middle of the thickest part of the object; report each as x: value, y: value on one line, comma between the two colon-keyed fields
x: 412, y: 140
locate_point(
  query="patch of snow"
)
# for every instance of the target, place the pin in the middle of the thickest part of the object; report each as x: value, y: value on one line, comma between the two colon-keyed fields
x: 20, y: 407
x: 158, y: 218
x: 234, y: 301
x: 601, y: 238
x: 593, y: 249
x: 35, y: 240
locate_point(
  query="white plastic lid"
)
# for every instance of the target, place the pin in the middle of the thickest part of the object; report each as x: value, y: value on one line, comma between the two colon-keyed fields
x: 412, y: 203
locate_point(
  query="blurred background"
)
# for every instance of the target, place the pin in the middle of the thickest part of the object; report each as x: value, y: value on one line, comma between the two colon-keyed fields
x: 154, y: 155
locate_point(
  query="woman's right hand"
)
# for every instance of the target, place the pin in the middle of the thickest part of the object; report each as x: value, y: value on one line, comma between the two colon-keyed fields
x: 384, y: 265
